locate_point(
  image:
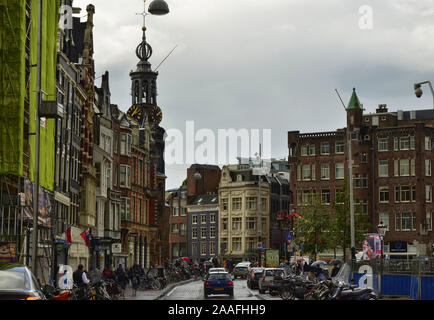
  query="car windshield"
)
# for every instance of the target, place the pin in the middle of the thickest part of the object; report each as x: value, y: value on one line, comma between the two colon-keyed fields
x: 275, y: 272
x: 219, y: 276
x: 241, y: 268
x: 13, y: 280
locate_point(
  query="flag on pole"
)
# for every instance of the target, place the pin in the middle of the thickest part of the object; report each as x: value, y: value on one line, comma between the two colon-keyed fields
x: 68, y: 235
x: 86, y: 236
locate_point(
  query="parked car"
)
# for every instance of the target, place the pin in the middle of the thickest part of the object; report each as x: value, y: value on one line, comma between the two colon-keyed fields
x: 241, y: 270
x: 17, y: 282
x: 253, y: 278
x: 218, y: 283
x: 267, y: 276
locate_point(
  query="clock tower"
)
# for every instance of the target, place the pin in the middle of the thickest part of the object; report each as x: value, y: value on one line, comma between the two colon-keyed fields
x: 144, y: 87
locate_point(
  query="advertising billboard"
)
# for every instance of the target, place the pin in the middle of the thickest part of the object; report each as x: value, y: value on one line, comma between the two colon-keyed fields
x: 271, y: 258
x: 371, y: 247
x: 8, y: 252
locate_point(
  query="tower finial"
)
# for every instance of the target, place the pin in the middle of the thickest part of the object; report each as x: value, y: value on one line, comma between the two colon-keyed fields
x: 144, y: 49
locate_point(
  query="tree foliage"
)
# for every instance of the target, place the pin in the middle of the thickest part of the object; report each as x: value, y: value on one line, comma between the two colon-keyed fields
x: 313, y: 228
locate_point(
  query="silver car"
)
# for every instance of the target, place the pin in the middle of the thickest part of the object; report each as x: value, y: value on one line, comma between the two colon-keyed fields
x: 267, y: 276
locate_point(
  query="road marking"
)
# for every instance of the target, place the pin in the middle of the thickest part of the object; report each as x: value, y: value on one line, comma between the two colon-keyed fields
x: 171, y: 291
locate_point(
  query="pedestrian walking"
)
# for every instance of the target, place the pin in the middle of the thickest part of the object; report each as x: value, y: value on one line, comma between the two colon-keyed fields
x: 122, y: 279
x: 134, y: 275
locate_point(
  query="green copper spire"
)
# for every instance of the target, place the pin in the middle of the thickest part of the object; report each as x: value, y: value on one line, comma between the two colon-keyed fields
x: 354, y: 101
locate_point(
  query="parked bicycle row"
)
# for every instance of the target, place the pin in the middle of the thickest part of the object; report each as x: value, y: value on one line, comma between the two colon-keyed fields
x: 317, y: 281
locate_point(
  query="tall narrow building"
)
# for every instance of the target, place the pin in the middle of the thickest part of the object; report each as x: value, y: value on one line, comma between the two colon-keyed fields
x: 150, y: 191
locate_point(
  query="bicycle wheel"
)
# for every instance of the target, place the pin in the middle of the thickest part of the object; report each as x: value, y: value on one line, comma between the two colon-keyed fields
x: 156, y: 285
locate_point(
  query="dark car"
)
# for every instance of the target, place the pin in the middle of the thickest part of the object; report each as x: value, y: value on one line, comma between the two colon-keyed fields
x: 253, y: 277
x: 218, y: 283
x: 17, y: 282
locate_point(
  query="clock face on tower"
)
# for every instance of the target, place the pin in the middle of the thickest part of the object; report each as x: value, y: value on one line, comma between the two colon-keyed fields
x: 135, y: 112
x: 156, y: 114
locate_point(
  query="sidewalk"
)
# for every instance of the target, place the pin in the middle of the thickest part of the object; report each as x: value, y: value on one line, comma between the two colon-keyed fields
x: 152, y: 294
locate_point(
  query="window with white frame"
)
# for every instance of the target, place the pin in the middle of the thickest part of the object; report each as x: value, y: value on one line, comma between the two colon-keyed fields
x: 236, y: 224
x: 224, y: 204
x: 412, y: 167
x: 212, y: 232
x: 384, y: 194
x: 396, y: 167
x: 306, y: 172
x: 236, y: 203
x: 225, y: 224
x: 251, y: 223
x: 404, y: 143
x: 405, y: 193
x: 203, y: 232
x: 383, y: 144
x: 313, y: 171
x: 236, y: 243
x: 311, y: 149
x: 125, y: 174
x: 412, y: 143
x: 325, y: 171
x: 339, y: 147
x: 175, y: 211
x: 299, y: 172
x: 304, y: 149
x: 194, y: 248
x: 396, y: 143
x: 175, y: 228
x: 251, y: 243
x: 251, y: 203
x: 427, y: 167
x: 183, y: 211
x: 203, y: 248
x: 194, y: 219
x: 383, y: 168
x: 404, y: 167
x: 194, y: 233
x: 325, y: 196
x: 405, y: 221
x: 212, y: 218
x: 428, y: 143
x: 428, y: 193
x: 428, y: 221
x: 384, y: 217
x: 339, y: 170
x: 212, y: 248
x: 203, y: 218
x: 182, y: 229
x: 125, y: 144
x: 325, y: 148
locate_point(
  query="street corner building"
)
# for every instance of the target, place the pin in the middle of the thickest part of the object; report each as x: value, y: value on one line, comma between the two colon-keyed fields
x: 392, y: 174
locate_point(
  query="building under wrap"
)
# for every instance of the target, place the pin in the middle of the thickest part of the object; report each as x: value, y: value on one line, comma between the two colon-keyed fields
x: 18, y: 101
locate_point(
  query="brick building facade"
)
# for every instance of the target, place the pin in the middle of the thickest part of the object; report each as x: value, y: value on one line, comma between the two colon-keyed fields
x: 392, y: 178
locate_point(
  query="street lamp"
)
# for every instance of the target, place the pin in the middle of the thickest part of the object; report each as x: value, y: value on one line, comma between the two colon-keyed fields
x: 158, y: 7
x: 382, y: 228
x: 418, y: 91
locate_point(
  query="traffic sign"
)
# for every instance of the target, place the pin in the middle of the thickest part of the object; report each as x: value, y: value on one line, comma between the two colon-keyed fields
x: 289, y: 235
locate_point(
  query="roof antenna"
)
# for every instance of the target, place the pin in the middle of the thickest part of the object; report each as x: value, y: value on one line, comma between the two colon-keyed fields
x: 165, y: 58
x: 343, y: 104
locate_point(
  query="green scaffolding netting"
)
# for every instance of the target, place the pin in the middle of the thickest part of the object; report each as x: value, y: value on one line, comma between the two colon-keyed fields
x: 12, y: 85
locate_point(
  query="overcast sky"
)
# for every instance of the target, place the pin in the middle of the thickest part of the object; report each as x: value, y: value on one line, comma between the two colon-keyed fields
x: 268, y: 64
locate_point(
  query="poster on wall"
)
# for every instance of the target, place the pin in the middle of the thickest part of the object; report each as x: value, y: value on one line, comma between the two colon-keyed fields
x: 45, y: 204
x: 8, y: 252
x: 271, y: 258
x: 371, y: 247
